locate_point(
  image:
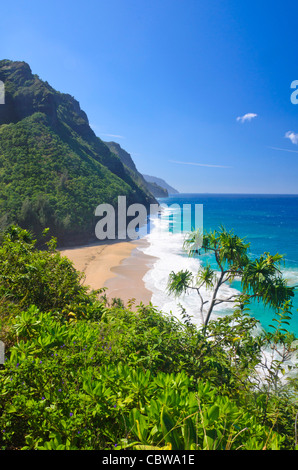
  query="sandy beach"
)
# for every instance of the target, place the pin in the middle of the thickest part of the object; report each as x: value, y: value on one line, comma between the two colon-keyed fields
x: 118, y: 266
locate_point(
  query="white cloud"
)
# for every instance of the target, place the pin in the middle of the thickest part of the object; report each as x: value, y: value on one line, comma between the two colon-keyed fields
x: 114, y: 135
x: 97, y: 128
x: 199, y: 164
x: 292, y: 136
x: 246, y: 117
x: 283, y: 150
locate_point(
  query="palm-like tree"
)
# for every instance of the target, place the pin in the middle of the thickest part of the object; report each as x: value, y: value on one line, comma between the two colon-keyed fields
x: 260, y: 278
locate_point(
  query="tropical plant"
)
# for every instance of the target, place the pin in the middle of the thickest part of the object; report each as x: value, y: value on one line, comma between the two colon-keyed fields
x: 261, y: 278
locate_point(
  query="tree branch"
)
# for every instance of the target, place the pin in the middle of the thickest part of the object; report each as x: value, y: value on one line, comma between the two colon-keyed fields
x: 229, y: 299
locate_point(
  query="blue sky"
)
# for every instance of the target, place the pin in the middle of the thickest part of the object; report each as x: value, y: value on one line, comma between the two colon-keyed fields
x: 167, y: 80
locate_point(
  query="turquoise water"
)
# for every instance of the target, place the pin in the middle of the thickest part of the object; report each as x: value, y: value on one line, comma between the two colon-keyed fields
x: 268, y: 222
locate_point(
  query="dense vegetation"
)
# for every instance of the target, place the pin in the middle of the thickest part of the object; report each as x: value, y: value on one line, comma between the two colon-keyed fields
x: 54, y: 171
x: 82, y: 374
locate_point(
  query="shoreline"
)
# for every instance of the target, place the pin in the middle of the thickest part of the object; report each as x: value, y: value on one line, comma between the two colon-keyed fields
x: 117, y: 265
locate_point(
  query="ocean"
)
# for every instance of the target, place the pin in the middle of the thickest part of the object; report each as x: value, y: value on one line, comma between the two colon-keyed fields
x: 268, y: 222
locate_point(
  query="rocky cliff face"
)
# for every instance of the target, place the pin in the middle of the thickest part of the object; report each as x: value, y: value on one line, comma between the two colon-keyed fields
x: 26, y: 94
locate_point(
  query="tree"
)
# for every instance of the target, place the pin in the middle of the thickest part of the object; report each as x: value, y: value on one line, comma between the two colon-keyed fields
x: 44, y: 278
x: 261, y: 278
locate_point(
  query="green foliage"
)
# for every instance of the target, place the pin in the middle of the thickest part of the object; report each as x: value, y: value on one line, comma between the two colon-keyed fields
x: 200, y: 420
x: 178, y: 283
x: 64, y: 387
x: 43, y: 278
x: 107, y: 377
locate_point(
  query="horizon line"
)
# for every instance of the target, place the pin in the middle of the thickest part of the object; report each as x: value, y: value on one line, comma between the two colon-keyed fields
x: 237, y: 194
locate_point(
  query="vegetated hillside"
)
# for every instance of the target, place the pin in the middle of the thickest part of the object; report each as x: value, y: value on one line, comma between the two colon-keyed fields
x: 54, y: 170
x: 125, y: 157
x: 161, y: 182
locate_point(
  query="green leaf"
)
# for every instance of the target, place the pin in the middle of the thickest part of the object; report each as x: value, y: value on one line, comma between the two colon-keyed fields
x: 189, y: 433
x: 213, y: 413
x: 170, y: 434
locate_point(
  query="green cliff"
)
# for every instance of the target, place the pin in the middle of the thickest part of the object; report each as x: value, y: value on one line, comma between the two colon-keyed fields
x: 54, y: 170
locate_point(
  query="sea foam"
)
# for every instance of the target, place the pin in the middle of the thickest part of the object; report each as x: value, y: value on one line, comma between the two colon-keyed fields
x: 167, y: 248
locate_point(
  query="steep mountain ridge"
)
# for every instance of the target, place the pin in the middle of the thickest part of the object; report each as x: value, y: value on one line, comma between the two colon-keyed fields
x: 160, y: 182
x: 54, y: 170
x: 125, y: 157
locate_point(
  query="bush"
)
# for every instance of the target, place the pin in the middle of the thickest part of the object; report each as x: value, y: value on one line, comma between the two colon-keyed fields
x: 96, y: 377
x: 40, y: 277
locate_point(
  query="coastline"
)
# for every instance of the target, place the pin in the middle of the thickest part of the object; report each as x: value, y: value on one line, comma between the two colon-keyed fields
x: 118, y: 265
